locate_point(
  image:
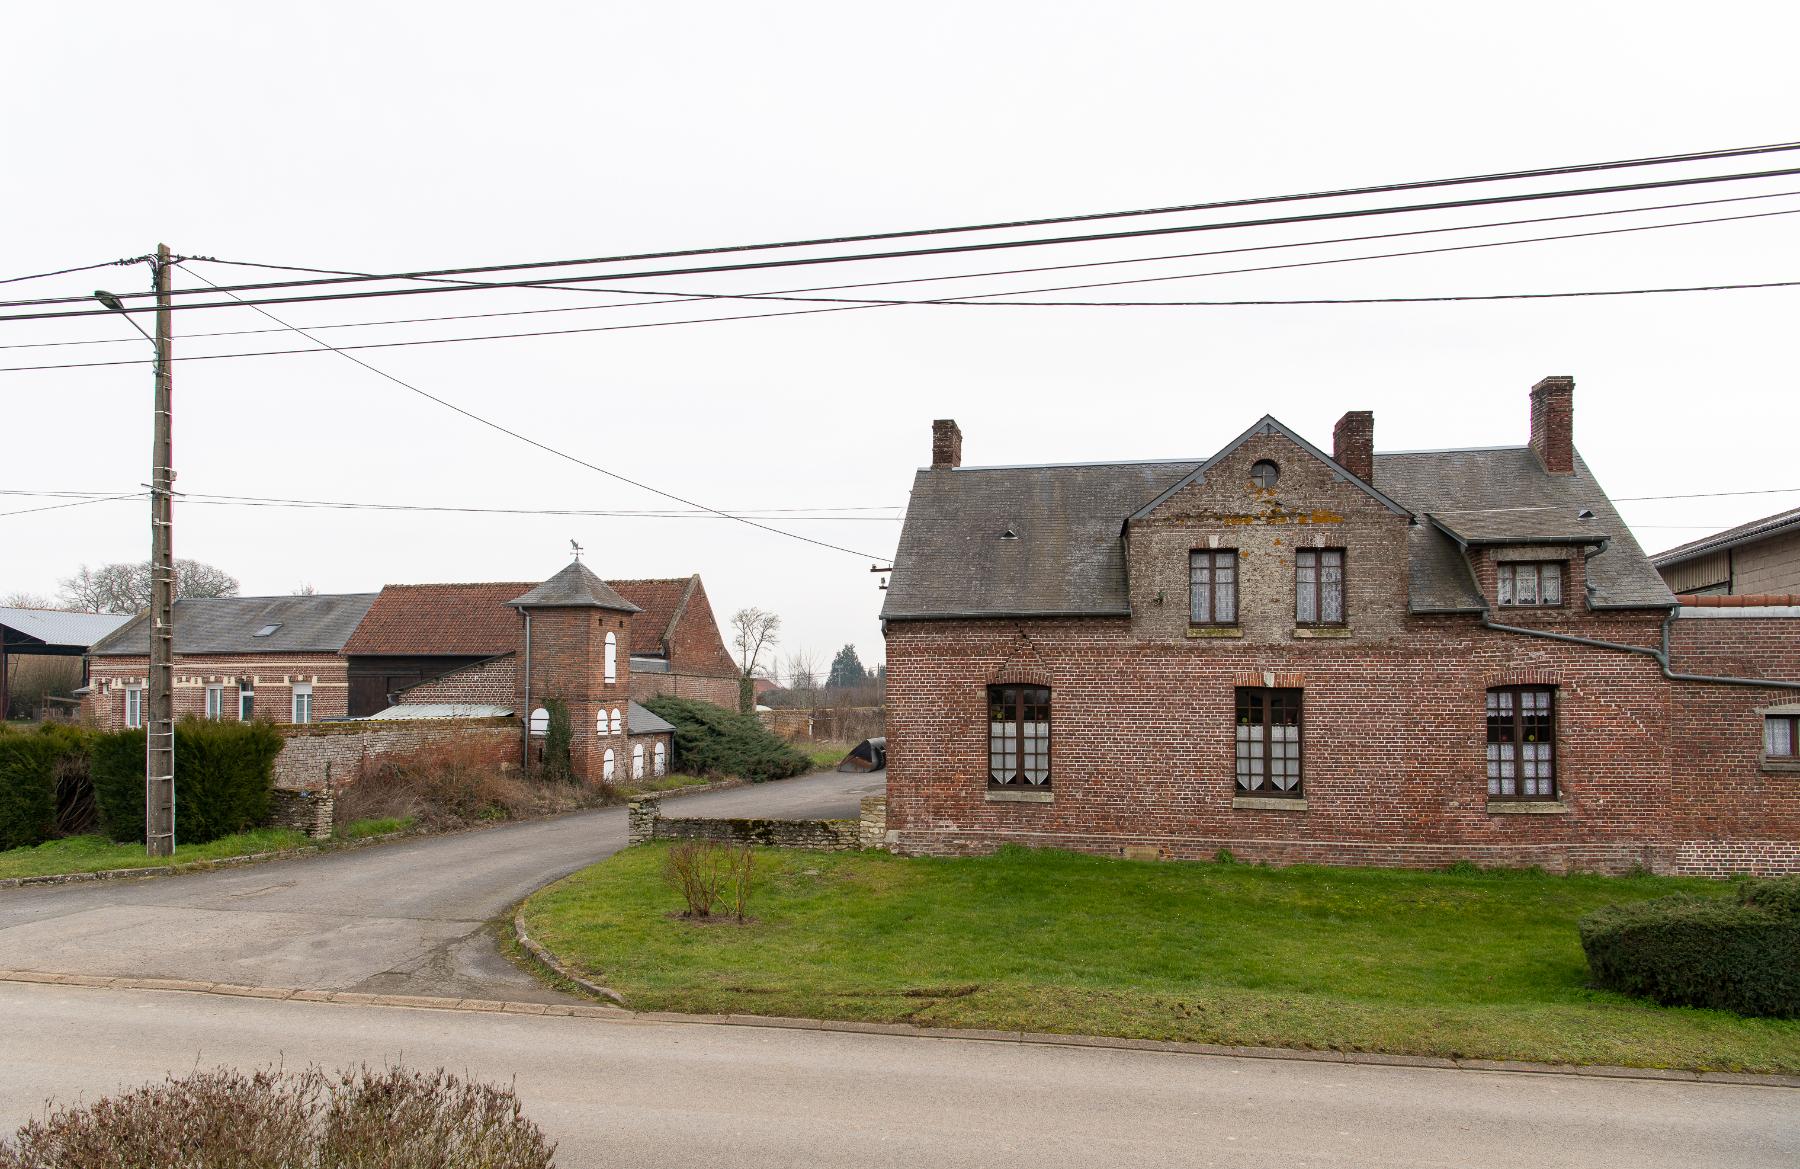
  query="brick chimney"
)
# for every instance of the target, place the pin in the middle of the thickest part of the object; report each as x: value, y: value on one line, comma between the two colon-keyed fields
x: 946, y: 444
x: 1353, y: 444
x: 1553, y: 424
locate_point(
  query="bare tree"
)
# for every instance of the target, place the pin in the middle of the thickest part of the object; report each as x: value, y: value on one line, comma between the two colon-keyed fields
x: 125, y: 588
x: 753, y: 631
x: 306, y: 590
x: 802, y: 671
x: 26, y: 601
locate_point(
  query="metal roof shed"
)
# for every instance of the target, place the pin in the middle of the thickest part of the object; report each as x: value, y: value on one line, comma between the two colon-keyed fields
x: 49, y: 633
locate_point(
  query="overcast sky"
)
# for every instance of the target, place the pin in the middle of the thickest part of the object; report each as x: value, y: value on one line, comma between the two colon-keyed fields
x: 390, y: 137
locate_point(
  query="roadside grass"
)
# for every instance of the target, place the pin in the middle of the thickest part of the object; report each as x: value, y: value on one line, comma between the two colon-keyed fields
x: 825, y: 756
x: 1470, y: 965
x: 92, y: 854
x: 374, y: 826
x: 661, y: 783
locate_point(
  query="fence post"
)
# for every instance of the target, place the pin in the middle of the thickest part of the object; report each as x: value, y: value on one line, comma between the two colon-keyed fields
x: 873, y: 833
x: 641, y: 813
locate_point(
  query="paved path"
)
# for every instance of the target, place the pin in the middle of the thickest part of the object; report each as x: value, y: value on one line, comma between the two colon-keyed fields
x: 660, y: 1094
x: 413, y: 917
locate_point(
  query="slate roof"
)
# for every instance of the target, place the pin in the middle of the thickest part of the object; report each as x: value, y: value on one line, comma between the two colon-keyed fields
x: 1068, y: 558
x: 227, y: 625
x: 471, y: 620
x: 1730, y: 538
x: 57, y: 627
x: 575, y: 586
x: 639, y: 721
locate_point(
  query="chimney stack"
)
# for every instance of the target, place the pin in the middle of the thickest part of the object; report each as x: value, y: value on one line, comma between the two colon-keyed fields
x: 1353, y: 444
x: 1553, y: 424
x: 946, y: 445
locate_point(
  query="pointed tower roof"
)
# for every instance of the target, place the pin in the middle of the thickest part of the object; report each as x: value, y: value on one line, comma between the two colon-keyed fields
x: 575, y: 587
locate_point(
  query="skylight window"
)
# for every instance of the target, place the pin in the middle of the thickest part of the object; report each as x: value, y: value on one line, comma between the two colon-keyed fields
x: 267, y: 629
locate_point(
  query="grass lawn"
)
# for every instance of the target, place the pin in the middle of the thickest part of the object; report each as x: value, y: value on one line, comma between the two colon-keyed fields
x: 825, y: 756
x: 662, y: 783
x: 90, y: 854
x: 1482, y: 965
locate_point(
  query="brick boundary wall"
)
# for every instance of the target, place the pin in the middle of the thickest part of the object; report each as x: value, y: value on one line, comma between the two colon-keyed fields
x: 321, y: 755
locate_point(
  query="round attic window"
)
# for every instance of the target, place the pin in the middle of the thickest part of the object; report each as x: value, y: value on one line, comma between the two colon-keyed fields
x: 1263, y: 473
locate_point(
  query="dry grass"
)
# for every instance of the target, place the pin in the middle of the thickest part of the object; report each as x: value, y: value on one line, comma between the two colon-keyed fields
x: 454, y: 783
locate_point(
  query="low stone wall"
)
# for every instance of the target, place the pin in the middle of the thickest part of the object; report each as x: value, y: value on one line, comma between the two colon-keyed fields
x: 310, y: 812
x: 324, y: 755
x: 644, y: 821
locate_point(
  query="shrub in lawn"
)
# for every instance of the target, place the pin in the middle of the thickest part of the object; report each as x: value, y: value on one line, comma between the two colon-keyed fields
x: 396, y: 1118
x: 224, y: 772
x: 1739, y: 955
x: 707, y: 873
x: 27, y: 790
x: 710, y: 740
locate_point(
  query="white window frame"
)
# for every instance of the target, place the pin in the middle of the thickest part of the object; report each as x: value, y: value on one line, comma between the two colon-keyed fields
x: 539, y: 722
x: 215, y: 702
x: 246, y: 695
x: 612, y: 658
x: 618, y: 723
x: 607, y: 765
x: 302, y: 711
x: 637, y: 761
x: 134, y: 706
x: 661, y: 763
x: 600, y: 724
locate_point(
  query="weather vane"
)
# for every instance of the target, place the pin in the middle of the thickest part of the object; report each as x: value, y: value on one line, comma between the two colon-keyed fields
x: 577, y: 548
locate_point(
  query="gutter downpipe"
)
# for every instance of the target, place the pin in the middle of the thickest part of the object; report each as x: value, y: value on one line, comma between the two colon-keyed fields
x: 525, y: 726
x: 1661, y: 655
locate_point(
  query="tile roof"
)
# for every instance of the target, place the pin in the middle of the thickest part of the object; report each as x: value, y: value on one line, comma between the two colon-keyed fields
x: 1067, y: 557
x: 228, y: 625
x: 461, y: 619
x: 1730, y: 538
x: 661, y: 602
x: 57, y: 627
x: 575, y: 586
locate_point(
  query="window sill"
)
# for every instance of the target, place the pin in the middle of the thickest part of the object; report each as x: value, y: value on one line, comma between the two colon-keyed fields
x: 1309, y: 631
x: 1214, y: 631
x: 1005, y: 796
x: 1268, y: 804
x: 1780, y: 764
x: 1527, y: 808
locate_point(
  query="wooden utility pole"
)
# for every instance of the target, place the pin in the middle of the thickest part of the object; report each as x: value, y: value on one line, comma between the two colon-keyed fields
x: 159, y: 742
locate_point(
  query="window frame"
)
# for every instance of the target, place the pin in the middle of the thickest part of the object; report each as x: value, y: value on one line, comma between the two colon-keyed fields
x: 1271, y: 696
x: 1518, y: 741
x: 660, y: 762
x: 637, y: 761
x: 246, y: 702
x: 1019, y: 780
x: 612, y: 658
x: 215, y: 701
x: 1318, y: 583
x: 1793, y: 751
x: 1506, y: 568
x: 134, y: 706
x: 301, y: 690
x: 1214, y: 557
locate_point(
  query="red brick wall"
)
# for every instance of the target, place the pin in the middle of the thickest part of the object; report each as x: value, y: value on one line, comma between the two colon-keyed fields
x: 706, y: 687
x: 697, y: 646
x: 568, y: 661
x: 273, y: 676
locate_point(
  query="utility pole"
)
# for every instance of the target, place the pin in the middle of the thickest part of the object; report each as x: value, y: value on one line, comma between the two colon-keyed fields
x: 159, y: 738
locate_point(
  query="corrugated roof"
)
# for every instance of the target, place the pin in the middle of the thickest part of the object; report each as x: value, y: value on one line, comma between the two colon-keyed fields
x: 228, y: 625
x: 59, y: 627
x: 462, y: 619
x: 422, y: 710
x: 1761, y: 529
x: 575, y: 586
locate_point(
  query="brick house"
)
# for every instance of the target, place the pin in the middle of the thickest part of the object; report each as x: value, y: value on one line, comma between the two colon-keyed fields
x: 1346, y: 658
x: 1760, y: 558
x: 442, y: 650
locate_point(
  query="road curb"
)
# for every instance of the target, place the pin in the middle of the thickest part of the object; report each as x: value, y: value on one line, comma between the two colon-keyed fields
x: 618, y: 1014
x: 550, y: 962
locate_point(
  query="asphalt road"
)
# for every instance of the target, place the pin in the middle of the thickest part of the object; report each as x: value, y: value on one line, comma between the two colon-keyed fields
x: 412, y: 917
x: 662, y: 1094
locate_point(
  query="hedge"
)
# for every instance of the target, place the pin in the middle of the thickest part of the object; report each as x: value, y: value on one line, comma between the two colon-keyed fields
x: 27, y: 790
x: 224, y: 772
x: 1739, y: 955
x: 710, y: 740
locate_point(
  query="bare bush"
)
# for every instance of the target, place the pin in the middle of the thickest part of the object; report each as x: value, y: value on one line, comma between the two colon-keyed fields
x: 396, y: 1118
x: 707, y: 873
x: 452, y: 783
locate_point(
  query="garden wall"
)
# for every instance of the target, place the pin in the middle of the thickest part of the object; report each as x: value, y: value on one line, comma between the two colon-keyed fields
x: 646, y: 822
x: 320, y: 755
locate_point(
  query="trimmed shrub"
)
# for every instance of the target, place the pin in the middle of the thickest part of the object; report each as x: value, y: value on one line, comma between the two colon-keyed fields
x: 1738, y: 955
x: 27, y: 790
x: 558, y: 736
x: 396, y: 1118
x: 224, y: 772
x: 710, y: 740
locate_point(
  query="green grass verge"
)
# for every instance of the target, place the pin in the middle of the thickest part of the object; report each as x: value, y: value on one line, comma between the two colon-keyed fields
x: 825, y: 756
x: 1478, y: 965
x: 91, y: 854
x: 662, y: 783
x: 379, y: 826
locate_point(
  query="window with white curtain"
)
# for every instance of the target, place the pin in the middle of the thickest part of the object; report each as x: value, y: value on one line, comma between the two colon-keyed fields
x: 1019, y: 736
x: 1268, y: 742
x: 1521, y: 743
x: 302, y: 702
x: 134, y: 706
x: 1319, y: 586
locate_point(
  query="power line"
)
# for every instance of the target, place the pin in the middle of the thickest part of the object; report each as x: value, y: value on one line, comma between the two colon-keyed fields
x: 208, y: 497
x: 77, y: 503
x: 561, y: 454
x: 1709, y: 494
x: 83, y: 268
x: 791, y: 293
x: 1343, y: 192
x: 994, y: 245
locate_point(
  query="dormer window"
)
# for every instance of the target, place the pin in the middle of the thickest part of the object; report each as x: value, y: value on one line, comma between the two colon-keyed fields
x: 1530, y: 584
x: 1264, y: 474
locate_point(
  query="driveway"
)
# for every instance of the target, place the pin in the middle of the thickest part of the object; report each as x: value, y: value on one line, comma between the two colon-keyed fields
x: 412, y: 917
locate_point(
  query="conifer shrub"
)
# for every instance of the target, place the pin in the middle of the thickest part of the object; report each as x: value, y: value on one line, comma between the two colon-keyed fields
x: 558, y: 737
x: 224, y: 774
x: 1740, y: 955
x: 27, y: 790
x: 713, y: 741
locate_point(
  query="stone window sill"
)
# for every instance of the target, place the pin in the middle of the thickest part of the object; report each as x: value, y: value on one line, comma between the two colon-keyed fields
x: 1267, y: 804
x: 1309, y: 631
x: 1527, y: 808
x: 1780, y: 763
x: 1214, y: 631
x: 1022, y: 796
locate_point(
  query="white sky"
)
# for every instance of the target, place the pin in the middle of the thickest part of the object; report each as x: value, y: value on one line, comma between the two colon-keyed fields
x: 388, y: 137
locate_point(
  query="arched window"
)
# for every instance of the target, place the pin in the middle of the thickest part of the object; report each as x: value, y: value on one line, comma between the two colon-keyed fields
x: 606, y: 765
x: 618, y: 724
x: 662, y: 761
x: 612, y: 658
x: 540, y: 721
x: 637, y: 761
x: 600, y: 724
